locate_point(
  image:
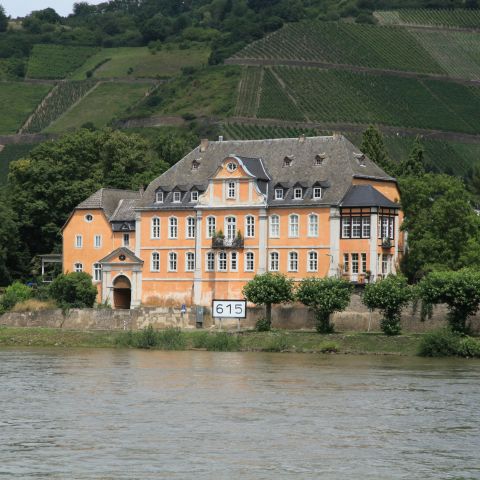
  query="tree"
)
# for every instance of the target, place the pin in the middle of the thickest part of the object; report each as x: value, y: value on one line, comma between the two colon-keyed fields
x: 9, y: 242
x: 324, y: 296
x: 390, y: 296
x: 413, y: 165
x: 440, y: 222
x: 267, y: 289
x: 15, y: 293
x: 73, y: 290
x: 460, y: 290
x: 374, y: 147
x: 3, y: 20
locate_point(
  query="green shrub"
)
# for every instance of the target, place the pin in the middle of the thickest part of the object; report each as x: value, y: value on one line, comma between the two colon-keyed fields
x: 263, y: 325
x: 329, y: 347
x: 445, y: 343
x: 469, y: 347
x: 222, y: 342
x: 278, y: 343
x: 73, y: 290
x: 15, y: 293
x: 171, y: 339
x: 147, y: 338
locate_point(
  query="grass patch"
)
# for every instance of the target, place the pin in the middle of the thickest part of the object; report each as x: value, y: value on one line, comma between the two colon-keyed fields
x: 17, y: 102
x: 100, y: 106
x: 140, y: 62
x: 33, y: 305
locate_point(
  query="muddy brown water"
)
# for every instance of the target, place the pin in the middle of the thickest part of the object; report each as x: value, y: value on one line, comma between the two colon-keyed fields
x: 127, y: 414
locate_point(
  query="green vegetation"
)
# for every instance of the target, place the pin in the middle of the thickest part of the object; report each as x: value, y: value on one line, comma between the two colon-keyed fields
x: 56, y: 61
x: 244, y: 131
x: 73, y: 290
x: 14, y: 113
x: 60, y: 99
x: 248, y: 92
x: 11, y: 69
x: 103, y: 104
x: 465, y: 18
x: 10, y: 153
x: 117, y: 62
x: 15, y: 293
x: 445, y: 343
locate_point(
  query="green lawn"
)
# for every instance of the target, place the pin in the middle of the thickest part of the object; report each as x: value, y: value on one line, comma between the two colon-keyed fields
x: 143, y: 63
x: 17, y: 102
x: 101, y: 105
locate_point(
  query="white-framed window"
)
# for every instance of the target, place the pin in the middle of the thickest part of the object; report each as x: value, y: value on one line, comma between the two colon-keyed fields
x: 155, y: 262
x: 313, y: 225
x: 274, y: 226
x: 173, y: 227
x: 194, y: 196
x: 279, y: 194
x: 346, y: 227
x: 293, y: 261
x: 249, y: 226
x: 222, y: 261
x: 97, y: 272
x: 249, y: 262
x: 126, y: 239
x: 155, y: 228
x: 78, y: 241
x: 385, y: 265
x: 210, y: 261
x: 312, y: 261
x: 387, y: 227
x: 231, y: 189
x: 189, y: 262
x: 231, y: 167
x: 78, y: 267
x: 293, y: 227
x: 364, y: 262
x: 354, y: 262
x: 297, y: 193
x: 177, y: 197
x: 230, y: 228
x: 233, y: 261
x: 88, y: 217
x: 172, y: 262
x: 356, y: 227
x: 274, y: 262
x: 317, y: 193
x: 366, y: 227
x: 346, y: 263
x: 97, y: 241
x: 318, y: 160
x: 190, y: 227
x: 159, y: 197
x: 211, y: 226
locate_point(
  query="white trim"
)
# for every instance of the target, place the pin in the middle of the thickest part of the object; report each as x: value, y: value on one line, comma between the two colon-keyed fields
x: 176, y: 262
x: 293, y: 214
x: 270, y: 226
x: 170, y: 226
x: 187, y: 236
x: 288, y: 261
x: 245, y: 261
x: 237, y: 260
x: 152, y: 236
x: 78, y: 244
x: 151, y: 261
x: 186, y: 261
x: 247, y: 216
x: 97, y: 235
x: 225, y: 231
x: 206, y: 261
x: 206, y: 225
x: 270, y: 261
x: 295, y: 190
x: 218, y: 261
x: 309, y: 234
x: 308, y: 261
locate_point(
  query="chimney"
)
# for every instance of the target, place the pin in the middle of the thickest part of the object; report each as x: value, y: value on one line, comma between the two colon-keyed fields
x: 301, y: 138
x: 336, y: 135
x: 220, y: 138
x: 142, y: 190
x: 203, y: 144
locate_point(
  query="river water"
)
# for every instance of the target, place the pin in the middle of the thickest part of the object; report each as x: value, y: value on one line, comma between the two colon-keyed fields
x: 127, y: 414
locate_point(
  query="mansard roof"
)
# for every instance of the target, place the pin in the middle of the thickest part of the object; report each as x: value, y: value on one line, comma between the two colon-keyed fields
x: 366, y: 196
x: 108, y: 200
x: 341, y: 164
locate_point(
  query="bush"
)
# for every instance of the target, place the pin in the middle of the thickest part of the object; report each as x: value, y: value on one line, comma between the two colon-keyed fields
x: 263, y: 325
x: 147, y: 338
x: 445, y: 343
x: 171, y: 339
x: 329, y: 347
x: 73, y: 290
x: 15, y: 293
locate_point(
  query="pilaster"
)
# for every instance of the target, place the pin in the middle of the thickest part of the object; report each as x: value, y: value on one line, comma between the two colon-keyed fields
x: 373, y: 243
x: 334, y: 252
x: 262, y: 240
x: 197, y: 274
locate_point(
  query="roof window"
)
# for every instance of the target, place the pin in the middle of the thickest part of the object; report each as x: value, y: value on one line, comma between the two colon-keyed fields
x: 319, y: 158
x: 177, y: 197
x: 195, y: 165
x: 360, y: 158
x: 288, y: 160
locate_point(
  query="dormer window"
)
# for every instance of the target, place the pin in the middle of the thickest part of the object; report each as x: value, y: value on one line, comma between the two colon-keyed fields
x: 194, y: 196
x: 231, y: 167
x: 177, y: 197
x: 360, y: 159
x: 297, y: 194
x: 195, y: 165
x: 287, y: 161
x: 279, y: 194
x: 319, y: 158
x: 159, y: 197
x: 317, y: 193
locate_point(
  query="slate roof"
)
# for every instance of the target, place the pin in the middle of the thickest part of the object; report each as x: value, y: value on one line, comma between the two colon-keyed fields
x: 108, y: 200
x: 342, y: 161
x: 366, y: 196
x: 125, y: 210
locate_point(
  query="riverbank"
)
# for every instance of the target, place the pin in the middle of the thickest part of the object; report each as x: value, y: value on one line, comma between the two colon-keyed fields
x: 275, y: 341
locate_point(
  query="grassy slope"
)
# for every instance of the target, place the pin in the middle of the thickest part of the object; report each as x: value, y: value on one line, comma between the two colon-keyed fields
x: 362, y: 343
x: 17, y: 102
x: 11, y: 153
x: 164, y: 63
x: 100, y: 106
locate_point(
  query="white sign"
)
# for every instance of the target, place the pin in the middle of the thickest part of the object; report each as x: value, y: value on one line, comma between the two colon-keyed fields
x: 229, y: 308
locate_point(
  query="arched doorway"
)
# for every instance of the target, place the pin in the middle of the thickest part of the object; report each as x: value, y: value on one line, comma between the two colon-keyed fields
x: 122, y: 292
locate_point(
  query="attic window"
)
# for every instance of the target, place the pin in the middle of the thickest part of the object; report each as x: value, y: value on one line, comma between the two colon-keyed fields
x: 195, y: 165
x: 194, y: 196
x: 360, y: 159
x: 176, y: 197
x: 88, y: 217
x: 231, y: 167
x: 159, y: 197
x: 297, y: 193
x: 317, y: 193
x: 287, y: 161
x: 279, y: 194
x: 319, y: 158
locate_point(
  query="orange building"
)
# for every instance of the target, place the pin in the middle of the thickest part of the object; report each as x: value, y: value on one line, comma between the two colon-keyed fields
x: 308, y: 206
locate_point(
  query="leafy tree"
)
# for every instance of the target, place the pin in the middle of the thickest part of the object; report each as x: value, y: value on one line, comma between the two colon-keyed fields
x: 413, y: 165
x: 390, y: 296
x: 9, y: 242
x: 73, y: 290
x: 440, y: 221
x: 267, y: 289
x: 3, y: 20
x: 324, y: 296
x: 374, y: 147
x: 459, y: 290
x: 15, y: 293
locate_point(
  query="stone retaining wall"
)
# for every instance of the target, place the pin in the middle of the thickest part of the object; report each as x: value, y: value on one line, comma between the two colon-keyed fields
x: 293, y: 317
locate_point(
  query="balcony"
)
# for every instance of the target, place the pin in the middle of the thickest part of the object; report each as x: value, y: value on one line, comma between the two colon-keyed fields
x: 225, y: 242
